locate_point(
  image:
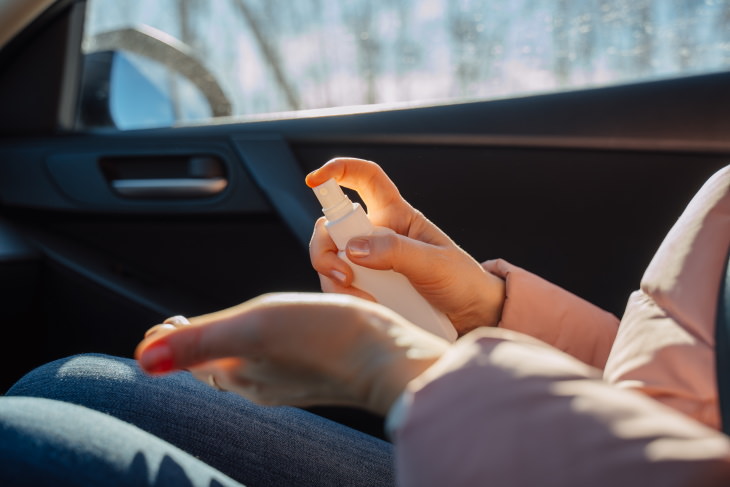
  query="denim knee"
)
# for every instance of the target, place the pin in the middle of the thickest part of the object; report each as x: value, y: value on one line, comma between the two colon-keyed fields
x: 71, y: 375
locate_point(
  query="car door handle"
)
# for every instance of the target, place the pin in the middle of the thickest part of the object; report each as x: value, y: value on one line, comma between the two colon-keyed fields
x: 170, y: 187
x: 165, y: 176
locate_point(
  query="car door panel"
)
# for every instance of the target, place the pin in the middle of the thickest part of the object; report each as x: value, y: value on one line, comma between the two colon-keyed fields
x: 521, y: 204
x: 114, y: 265
x: 276, y: 171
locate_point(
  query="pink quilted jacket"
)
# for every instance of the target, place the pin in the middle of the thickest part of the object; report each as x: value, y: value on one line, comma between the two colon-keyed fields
x: 562, y: 394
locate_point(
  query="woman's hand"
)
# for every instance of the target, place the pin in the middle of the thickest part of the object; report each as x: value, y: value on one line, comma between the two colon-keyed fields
x: 440, y: 270
x: 298, y: 349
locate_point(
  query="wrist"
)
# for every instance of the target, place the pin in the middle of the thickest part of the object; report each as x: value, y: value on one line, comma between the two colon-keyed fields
x: 486, y: 304
x: 402, y: 352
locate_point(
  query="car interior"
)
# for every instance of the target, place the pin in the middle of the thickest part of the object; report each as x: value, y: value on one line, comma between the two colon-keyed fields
x: 579, y: 187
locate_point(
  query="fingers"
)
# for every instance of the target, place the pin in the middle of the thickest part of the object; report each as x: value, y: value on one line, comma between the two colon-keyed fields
x: 415, y: 259
x: 323, y: 255
x: 169, y: 324
x: 177, y: 321
x: 226, y: 333
x: 335, y: 275
x: 366, y: 177
x: 250, y: 331
x: 159, y: 328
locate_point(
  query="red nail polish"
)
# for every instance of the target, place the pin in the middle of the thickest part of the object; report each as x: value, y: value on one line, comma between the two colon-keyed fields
x: 157, y: 358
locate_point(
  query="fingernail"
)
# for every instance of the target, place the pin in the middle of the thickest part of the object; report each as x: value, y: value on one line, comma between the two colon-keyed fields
x: 338, y: 276
x: 177, y: 320
x: 157, y: 358
x: 359, y: 247
x: 155, y: 329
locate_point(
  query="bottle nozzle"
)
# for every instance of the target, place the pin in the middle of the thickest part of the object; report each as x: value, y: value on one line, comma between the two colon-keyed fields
x: 334, y: 201
x: 329, y: 193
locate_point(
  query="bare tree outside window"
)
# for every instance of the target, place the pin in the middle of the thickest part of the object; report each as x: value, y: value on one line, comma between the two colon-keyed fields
x: 280, y: 55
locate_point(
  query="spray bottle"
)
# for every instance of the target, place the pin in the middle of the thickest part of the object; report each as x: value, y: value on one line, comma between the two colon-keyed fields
x: 346, y: 220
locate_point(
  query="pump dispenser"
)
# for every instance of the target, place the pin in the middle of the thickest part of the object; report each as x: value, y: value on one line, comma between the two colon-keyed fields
x: 346, y: 220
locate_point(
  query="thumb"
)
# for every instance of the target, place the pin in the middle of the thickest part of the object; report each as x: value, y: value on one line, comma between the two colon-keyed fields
x: 412, y: 258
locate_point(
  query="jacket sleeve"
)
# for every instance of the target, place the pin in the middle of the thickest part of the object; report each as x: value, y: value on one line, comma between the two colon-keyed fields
x: 538, y: 308
x: 665, y: 346
x: 501, y: 408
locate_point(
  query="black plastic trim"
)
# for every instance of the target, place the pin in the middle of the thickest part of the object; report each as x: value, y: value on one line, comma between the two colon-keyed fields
x: 272, y: 165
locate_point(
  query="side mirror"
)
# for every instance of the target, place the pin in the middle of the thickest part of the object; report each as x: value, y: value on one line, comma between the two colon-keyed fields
x: 142, y: 78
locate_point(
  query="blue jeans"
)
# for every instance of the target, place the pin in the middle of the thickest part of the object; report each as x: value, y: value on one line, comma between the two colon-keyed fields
x: 170, y: 430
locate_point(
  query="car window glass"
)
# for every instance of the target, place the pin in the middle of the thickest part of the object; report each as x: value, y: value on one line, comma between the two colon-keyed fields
x: 280, y: 58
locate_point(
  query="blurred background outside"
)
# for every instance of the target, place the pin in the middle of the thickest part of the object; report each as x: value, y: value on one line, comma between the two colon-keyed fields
x: 275, y: 58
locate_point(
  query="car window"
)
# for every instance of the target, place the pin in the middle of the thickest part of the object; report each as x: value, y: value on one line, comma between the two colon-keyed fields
x: 253, y: 59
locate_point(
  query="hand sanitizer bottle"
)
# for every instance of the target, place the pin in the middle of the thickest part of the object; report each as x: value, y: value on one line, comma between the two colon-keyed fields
x: 346, y: 220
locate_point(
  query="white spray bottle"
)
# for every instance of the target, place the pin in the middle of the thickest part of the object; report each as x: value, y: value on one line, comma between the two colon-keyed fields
x: 346, y: 220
